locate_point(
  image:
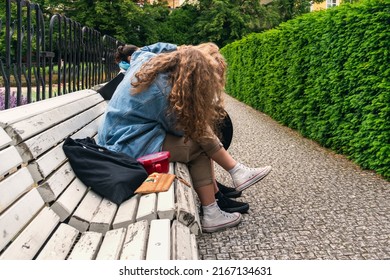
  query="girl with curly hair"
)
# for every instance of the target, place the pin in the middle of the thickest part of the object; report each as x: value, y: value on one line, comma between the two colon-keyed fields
x: 173, y: 101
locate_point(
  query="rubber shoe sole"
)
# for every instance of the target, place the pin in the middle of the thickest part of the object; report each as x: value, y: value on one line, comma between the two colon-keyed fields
x: 222, y: 226
x: 240, y: 209
x: 253, y: 180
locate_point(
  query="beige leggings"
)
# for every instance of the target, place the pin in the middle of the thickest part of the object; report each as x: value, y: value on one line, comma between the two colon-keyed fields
x: 196, y: 156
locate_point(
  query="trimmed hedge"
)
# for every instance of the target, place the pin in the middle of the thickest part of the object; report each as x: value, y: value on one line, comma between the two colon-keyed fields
x: 325, y: 74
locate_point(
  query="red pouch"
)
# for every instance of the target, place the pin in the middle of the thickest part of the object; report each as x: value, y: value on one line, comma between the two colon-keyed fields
x: 157, y: 162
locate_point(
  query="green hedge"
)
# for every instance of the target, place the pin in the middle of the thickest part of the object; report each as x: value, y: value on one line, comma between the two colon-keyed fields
x: 325, y: 74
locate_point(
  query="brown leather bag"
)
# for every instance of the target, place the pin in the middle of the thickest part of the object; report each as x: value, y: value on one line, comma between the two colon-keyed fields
x: 158, y: 182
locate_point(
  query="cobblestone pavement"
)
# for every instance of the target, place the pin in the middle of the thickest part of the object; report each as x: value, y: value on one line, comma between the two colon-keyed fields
x: 314, y: 204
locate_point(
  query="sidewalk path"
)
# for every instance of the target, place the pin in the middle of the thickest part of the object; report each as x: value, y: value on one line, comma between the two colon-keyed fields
x: 314, y: 204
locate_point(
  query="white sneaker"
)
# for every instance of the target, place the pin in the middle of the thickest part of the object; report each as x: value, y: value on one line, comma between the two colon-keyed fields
x: 215, y: 219
x: 244, y: 177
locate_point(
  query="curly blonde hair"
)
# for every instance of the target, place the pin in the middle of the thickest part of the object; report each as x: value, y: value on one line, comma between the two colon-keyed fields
x: 197, y: 77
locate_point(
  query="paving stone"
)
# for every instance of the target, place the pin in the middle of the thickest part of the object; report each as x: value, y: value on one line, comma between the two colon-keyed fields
x: 222, y: 256
x: 212, y: 251
x: 315, y: 204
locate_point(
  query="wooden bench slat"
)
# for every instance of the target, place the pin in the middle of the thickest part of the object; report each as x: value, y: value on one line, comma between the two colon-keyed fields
x: 103, y: 218
x: 166, y: 203
x: 181, y: 171
x: 13, y: 115
x: 56, y: 183
x: 37, y: 145
x: 184, y: 213
x: 60, y: 244
x: 181, y: 242
x: 5, y: 140
x: 136, y: 240
x: 10, y: 160
x: 83, y: 215
x: 28, y: 243
x: 90, y: 130
x: 187, y: 210
x: 15, y: 218
x: 27, y: 128
x: 65, y: 205
x: 194, y: 245
x: 159, y: 242
x: 127, y: 212
x: 194, y: 203
x: 14, y: 186
x: 147, y: 207
x: 87, y: 247
x: 195, y: 227
x: 166, y: 200
x: 50, y: 161
x: 111, y: 247
x: 46, y: 164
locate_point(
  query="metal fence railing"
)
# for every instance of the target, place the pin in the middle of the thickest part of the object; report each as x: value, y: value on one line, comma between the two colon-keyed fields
x: 42, y: 58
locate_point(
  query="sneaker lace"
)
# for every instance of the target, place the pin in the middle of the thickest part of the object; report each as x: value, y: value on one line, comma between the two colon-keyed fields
x: 247, y: 168
x: 226, y: 214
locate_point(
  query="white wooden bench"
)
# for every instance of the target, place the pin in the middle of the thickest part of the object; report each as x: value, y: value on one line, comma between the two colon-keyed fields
x: 46, y: 212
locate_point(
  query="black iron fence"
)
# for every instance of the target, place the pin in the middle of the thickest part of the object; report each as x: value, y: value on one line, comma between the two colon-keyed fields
x: 42, y: 58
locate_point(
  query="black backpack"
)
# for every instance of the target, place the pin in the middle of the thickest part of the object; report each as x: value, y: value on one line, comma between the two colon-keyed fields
x: 112, y: 175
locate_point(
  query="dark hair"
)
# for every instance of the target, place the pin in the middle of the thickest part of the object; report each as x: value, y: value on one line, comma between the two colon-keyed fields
x: 123, y: 52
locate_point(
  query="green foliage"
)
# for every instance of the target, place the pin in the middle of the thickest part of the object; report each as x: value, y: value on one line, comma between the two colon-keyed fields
x: 179, y: 27
x: 220, y: 21
x: 288, y: 9
x: 325, y: 74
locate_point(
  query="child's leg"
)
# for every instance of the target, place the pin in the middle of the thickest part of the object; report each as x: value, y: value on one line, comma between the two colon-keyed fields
x: 243, y: 177
x: 201, y: 170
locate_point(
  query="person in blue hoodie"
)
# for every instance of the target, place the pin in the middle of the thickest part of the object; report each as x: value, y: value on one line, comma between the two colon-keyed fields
x: 223, y: 194
x: 171, y: 99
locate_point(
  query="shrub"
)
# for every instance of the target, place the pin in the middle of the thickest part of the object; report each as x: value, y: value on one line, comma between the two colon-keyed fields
x: 325, y: 74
